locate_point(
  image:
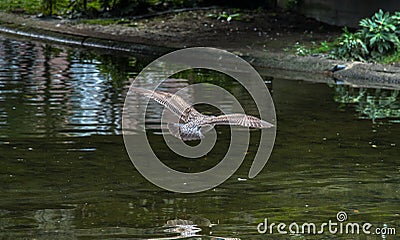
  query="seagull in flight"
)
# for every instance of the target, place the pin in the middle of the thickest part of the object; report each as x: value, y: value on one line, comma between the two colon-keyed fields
x: 191, y: 122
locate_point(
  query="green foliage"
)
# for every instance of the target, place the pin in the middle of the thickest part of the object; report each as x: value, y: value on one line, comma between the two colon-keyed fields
x: 380, y: 33
x: 377, y: 39
x: 370, y: 103
x: 314, y: 48
x: 225, y: 16
x: 301, y: 50
x: 350, y: 46
x: 324, y: 47
x: 47, y: 7
x: 30, y: 7
x: 395, y: 57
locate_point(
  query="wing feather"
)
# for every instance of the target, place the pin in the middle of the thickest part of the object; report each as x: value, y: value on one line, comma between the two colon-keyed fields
x: 239, y: 120
x: 171, y: 101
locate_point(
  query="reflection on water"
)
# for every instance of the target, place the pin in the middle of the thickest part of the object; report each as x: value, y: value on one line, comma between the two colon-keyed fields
x: 370, y: 103
x: 49, y: 92
x: 65, y: 173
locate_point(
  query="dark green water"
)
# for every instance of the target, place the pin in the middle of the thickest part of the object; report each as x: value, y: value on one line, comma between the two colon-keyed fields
x: 65, y: 173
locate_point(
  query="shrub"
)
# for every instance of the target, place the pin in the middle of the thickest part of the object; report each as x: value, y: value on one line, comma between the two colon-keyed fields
x: 380, y: 33
x: 350, y: 46
x: 377, y: 38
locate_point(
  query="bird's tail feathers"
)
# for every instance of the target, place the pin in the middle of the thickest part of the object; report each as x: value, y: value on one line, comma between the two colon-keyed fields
x: 174, y: 129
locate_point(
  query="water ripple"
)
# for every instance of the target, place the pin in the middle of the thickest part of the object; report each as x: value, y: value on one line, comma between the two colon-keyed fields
x: 46, y: 91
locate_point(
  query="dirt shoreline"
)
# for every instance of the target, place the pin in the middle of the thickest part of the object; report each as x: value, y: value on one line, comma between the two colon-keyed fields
x: 261, y: 40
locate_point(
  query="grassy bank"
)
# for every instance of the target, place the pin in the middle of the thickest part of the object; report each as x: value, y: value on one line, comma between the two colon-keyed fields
x: 22, y: 6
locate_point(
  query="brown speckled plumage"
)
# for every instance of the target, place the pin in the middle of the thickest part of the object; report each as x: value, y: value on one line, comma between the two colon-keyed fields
x: 191, y: 121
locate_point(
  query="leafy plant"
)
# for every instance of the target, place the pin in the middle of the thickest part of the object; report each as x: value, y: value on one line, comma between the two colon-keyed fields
x: 378, y: 38
x: 301, y: 50
x: 49, y: 7
x: 324, y: 47
x: 350, y: 46
x: 226, y: 16
x: 31, y: 7
x: 380, y: 33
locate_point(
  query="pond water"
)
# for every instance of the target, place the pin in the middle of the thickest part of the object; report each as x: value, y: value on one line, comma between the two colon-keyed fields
x: 65, y: 173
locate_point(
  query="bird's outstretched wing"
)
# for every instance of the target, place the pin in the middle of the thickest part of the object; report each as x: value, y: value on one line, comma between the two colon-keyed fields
x: 171, y: 101
x: 239, y: 120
